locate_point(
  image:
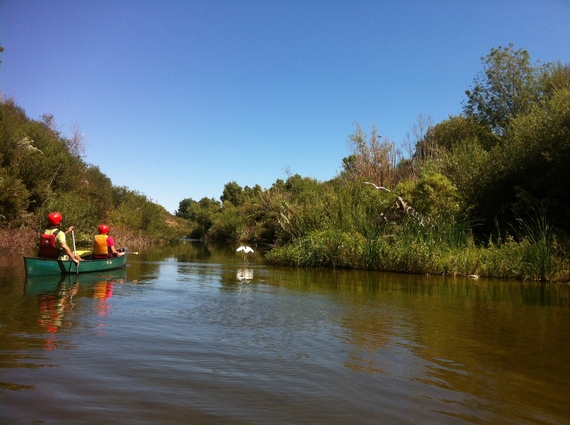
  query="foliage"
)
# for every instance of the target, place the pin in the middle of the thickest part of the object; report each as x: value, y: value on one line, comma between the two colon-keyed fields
x: 538, y: 238
x: 555, y: 77
x: 201, y: 214
x: 529, y: 168
x: 437, y: 249
x: 233, y: 194
x: 507, y: 87
x: 452, y: 133
x: 432, y: 196
x: 42, y: 170
x: 470, y: 178
x: 372, y: 160
x: 453, y: 207
x: 466, y: 183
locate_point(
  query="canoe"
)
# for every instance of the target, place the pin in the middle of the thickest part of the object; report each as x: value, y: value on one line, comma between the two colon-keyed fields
x: 36, y: 266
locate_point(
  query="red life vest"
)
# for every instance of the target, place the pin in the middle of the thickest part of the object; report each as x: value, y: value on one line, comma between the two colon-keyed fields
x: 48, y: 246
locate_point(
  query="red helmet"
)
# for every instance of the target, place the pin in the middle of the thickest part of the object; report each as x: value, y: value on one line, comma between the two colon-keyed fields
x: 55, y: 218
x: 104, y: 229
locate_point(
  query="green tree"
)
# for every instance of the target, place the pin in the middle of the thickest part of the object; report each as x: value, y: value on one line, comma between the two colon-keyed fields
x: 529, y: 169
x: 251, y: 194
x: 13, y: 199
x: 203, y: 213
x: 540, y: 144
x: 233, y: 193
x: 183, y: 208
x: 556, y: 76
x: 96, y: 194
x: 507, y: 87
x: 454, y: 131
x: 229, y: 225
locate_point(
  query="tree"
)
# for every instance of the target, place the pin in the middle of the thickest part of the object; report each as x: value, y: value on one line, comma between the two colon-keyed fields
x: 507, y: 87
x: 455, y: 131
x: 556, y: 76
x: 372, y: 160
x: 529, y: 169
x: 233, y: 193
x: 540, y: 144
x: 201, y: 213
x: 183, y: 206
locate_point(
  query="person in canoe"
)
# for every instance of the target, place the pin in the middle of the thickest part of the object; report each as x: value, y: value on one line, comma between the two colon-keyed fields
x: 53, y: 242
x: 104, y: 244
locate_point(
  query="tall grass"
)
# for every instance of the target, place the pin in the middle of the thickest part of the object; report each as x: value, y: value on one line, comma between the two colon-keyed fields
x: 432, y: 247
x: 537, y: 238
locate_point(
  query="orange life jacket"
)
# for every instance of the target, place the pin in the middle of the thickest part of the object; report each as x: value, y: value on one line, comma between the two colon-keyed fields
x: 48, y: 246
x: 100, y: 246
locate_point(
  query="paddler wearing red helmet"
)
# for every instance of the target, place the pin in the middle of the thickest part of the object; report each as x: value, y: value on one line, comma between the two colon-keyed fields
x: 53, y: 242
x: 104, y: 244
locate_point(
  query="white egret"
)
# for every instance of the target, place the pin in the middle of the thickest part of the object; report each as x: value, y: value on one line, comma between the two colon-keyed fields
x: 246, y: 250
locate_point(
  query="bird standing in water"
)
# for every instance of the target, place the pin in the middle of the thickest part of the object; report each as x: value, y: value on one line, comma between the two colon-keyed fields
x: 246, y: 250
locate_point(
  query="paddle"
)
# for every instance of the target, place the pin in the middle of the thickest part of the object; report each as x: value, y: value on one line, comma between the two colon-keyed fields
x: 128, y: 252
x: 75, y: 252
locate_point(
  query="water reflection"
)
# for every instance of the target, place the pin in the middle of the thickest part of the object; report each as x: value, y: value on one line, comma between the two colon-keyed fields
x: 244, y: 274
x: 207, y: 333
x: 55, y: 298
x: 193, y: 251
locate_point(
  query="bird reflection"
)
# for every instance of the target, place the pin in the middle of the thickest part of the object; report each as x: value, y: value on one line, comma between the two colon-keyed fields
x: 244, y: 275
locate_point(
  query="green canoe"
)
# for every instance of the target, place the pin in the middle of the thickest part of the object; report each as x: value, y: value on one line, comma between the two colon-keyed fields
x: 36, y: 266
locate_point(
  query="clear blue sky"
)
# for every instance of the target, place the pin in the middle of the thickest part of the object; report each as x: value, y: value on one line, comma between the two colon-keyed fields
x: 177, y: 98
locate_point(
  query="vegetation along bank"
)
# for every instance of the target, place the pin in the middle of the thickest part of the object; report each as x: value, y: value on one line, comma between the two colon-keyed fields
x: 484, y: 193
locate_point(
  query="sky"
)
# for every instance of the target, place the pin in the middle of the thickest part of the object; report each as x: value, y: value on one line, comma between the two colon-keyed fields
x: 177, y: 98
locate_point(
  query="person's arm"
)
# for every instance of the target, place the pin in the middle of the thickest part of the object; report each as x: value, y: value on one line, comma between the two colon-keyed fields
x: 111, y: 246
x: 67, y: 250
x: 74, y: 258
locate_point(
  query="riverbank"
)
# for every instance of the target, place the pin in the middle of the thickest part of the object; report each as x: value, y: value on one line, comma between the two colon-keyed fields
x: 419, y: 254
x: 507, y: 260
x: 25, y: 240
x: 22, y: 240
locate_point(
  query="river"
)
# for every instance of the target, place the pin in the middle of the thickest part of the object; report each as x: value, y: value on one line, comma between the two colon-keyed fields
x: 192, y: 334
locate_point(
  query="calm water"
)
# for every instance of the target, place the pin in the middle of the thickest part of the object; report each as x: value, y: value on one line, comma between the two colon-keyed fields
x: 190, y: 334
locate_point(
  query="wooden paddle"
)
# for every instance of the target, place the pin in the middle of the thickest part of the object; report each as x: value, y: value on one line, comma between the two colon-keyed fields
x: 75, y: 253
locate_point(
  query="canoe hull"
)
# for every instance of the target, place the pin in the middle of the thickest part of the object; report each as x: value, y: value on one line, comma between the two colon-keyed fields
x: 36, y: 266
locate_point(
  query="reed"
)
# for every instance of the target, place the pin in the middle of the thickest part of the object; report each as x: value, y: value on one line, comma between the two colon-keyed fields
x: 537, y: 239
x: 436, y: 248
x: 343, y: 226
